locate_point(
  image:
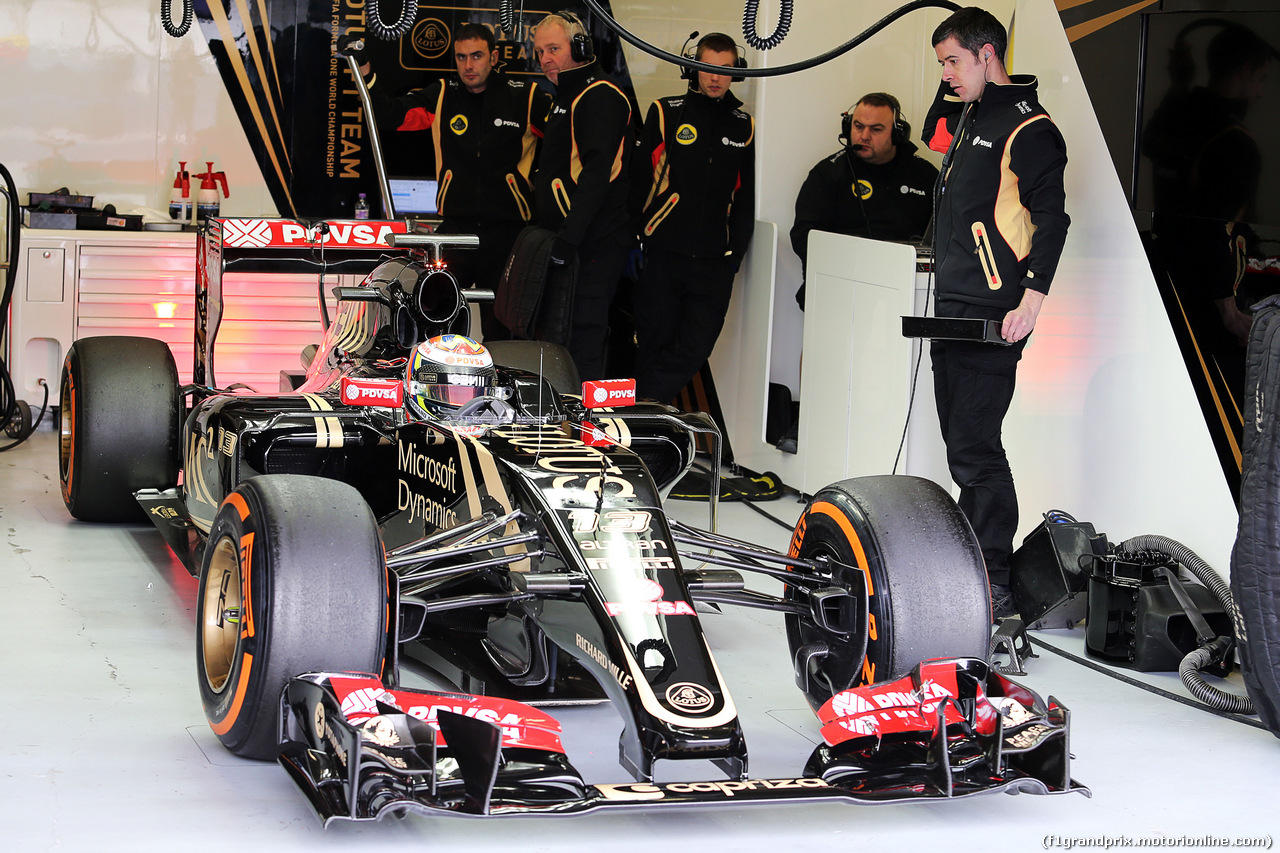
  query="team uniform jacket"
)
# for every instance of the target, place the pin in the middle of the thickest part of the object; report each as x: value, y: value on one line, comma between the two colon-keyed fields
x: 1001, y: 220
x: 581, y: 185
x: 896, y: 197
x: 703, y: 152
x: 484, y: 143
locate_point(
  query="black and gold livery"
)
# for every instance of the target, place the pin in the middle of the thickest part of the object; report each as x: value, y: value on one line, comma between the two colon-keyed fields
x: 518, y: 548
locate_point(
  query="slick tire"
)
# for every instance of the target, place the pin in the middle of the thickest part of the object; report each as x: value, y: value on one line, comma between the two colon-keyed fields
x: 119, y: 413
x: 927, y: 582
x: 293, y: 581
x: 552, y: 360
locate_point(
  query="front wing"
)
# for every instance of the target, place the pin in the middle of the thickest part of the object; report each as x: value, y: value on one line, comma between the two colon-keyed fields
x: 952, y: 728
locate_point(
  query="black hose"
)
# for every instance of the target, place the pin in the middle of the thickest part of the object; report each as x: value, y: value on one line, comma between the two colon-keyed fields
x: 684, y: 62
x: 166, y: 18
x: 1195, y: 661
x: 779, y: 32
x: 396, y: 31
x: 8, y: 395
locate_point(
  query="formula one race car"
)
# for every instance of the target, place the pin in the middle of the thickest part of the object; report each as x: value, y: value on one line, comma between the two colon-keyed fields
x: 413, y: 499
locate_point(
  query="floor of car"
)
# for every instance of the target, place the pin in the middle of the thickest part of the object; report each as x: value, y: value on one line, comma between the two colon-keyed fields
x: 105, y: 745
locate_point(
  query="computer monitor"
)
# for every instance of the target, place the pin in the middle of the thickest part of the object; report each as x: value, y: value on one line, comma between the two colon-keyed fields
x: 414, y: 197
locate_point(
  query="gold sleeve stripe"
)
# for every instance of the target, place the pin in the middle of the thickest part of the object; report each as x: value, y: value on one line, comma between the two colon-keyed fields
x: 1012, y: 220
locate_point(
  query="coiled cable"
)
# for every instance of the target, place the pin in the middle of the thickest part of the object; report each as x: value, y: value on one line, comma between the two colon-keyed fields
x: 166, y: 18
x: 749, y: 13
x: 398, y: 30
x: 603, y: 15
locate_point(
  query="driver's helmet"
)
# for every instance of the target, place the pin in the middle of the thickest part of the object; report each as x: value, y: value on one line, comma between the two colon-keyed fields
x: 445, y: 372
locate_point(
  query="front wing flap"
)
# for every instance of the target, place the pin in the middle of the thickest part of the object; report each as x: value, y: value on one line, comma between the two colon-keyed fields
x: 952, y: 728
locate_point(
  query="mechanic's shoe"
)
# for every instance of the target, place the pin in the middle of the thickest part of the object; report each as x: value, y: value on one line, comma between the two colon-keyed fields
x: 1001, y: 602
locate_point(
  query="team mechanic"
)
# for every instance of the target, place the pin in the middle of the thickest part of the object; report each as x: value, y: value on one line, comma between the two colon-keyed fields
x: 698, y: 216
x: 874, y: 186
x: 581, y: 186
x: 484, y: 127
x: 1000, y: 228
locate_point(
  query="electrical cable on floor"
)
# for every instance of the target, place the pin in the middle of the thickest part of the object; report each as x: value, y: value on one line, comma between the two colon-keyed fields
x: 1150, y: 688
x: 751, y: 504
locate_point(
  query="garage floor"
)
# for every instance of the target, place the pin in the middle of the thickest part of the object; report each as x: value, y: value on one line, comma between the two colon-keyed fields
x: 105, y: 746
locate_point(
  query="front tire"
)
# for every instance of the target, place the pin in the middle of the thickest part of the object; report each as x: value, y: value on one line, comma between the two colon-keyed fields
x: 924, y: 572
x: 119, y: 412
x: 293, y: 580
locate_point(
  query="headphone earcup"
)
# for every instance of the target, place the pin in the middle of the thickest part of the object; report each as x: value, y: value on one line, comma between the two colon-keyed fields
x: 740, y: 62
x: 685, y: 72
x: 581, y: 49
x: 846, y: 126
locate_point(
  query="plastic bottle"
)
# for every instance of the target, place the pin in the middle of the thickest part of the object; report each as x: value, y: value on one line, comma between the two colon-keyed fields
x: 362, y: 207
x: 207, y: 203
x: 180, y: 196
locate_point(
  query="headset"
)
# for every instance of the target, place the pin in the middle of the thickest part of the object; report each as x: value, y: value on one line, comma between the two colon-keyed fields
x: 691, y: 74
x: 581, y: 49
x: 898, y: 134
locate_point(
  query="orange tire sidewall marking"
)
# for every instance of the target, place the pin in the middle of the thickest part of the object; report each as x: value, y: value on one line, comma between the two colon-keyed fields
x: 842, y: 521
x: 242, y: 686
x: 834, y: 513
x: 237, y: 501
x: 246, y: 614
x: 246, y: 586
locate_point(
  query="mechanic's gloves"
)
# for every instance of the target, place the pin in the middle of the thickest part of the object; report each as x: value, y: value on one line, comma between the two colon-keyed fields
x: 562, y: 252
x: 353, y: 44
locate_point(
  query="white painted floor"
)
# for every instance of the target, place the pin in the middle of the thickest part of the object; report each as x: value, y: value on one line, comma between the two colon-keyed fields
x: 103, y: 744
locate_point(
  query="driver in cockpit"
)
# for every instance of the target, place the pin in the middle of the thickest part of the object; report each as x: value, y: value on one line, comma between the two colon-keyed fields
x: 447, y: 372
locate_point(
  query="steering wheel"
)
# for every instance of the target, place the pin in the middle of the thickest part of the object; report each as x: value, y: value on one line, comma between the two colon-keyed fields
x: 487, y: 410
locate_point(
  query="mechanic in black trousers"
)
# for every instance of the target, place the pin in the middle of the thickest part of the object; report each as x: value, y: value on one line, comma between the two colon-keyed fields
x: 581, y: 186
x: 697, y: 220
x: 874, y: 187
x: 485, y: 127
x: 1000, y: 229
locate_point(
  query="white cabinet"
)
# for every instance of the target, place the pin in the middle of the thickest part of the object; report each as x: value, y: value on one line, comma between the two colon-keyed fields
x: 73, y: 284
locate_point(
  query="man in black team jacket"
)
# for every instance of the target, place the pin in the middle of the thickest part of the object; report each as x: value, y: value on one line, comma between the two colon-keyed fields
x: 698, y: 216
x: 484, y: 126
x: 875, y: 186
x: 1000, y: 228
x: 581, y: 186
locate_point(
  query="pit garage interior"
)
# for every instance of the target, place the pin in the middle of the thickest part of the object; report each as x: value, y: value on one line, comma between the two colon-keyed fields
x: 106, y: 744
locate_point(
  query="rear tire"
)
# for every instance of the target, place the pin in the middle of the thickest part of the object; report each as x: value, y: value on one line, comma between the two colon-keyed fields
x: 293, y: 581
x: 119, y: 411
x: 552, y: 360
x: 927, y: 582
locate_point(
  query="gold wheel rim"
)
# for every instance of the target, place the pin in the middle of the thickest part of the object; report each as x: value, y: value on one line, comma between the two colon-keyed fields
x: 66, y: 420
x: 220, y: 614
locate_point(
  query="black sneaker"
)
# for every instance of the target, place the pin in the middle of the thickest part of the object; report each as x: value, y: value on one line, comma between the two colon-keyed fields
x: 1001, y: 602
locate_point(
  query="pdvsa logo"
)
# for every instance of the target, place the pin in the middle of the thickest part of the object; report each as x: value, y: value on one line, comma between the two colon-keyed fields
x: 387, y: 393
x: 600, y: 393
x: 688, y: 696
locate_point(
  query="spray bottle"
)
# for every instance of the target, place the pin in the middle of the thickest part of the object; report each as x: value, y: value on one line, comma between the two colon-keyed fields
x: 207, y: 201
x: 180, y: 197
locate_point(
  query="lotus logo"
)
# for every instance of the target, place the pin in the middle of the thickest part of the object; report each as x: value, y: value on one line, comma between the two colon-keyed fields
x: 431, y: 38
x: 688, y: 696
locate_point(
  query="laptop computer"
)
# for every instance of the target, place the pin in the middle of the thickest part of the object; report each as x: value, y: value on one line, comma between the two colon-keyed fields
x: 415, y: 197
